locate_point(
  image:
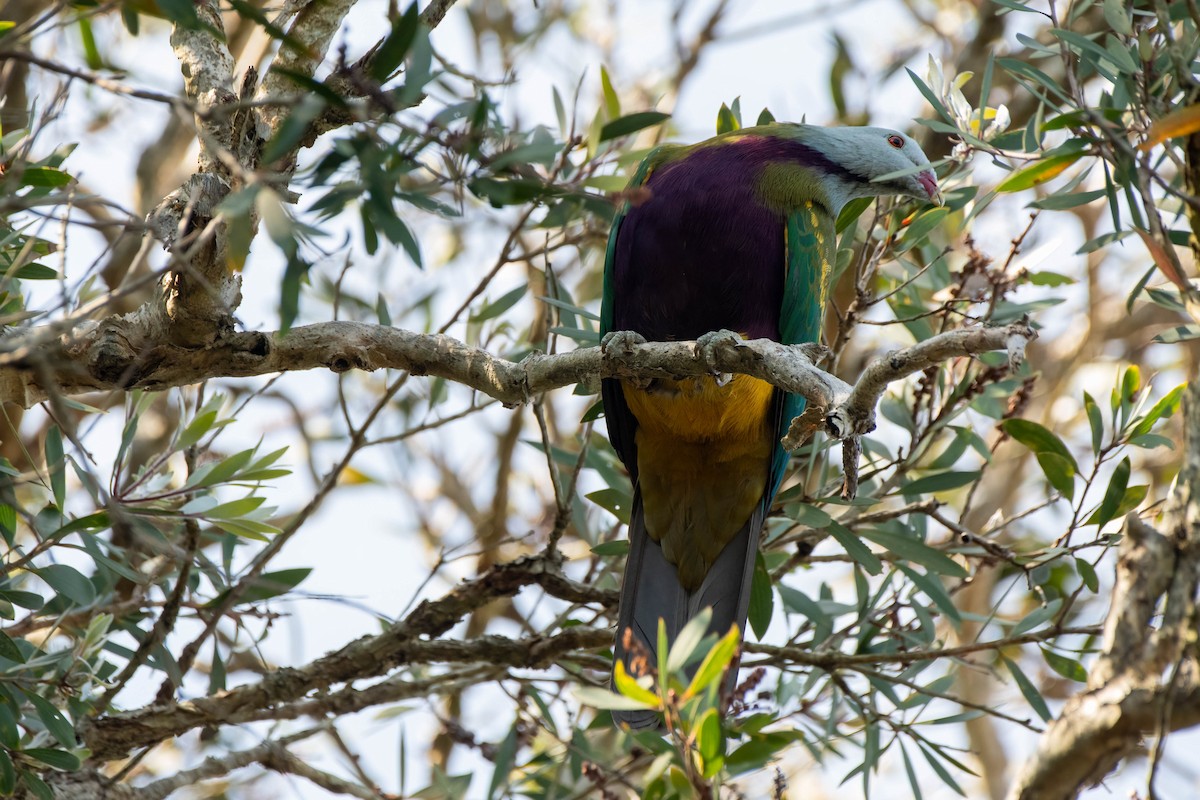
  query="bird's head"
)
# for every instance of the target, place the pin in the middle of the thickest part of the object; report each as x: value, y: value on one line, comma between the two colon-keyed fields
x: 862, y: 155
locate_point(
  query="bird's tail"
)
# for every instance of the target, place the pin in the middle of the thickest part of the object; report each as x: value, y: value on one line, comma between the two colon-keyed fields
x: 651, y: 591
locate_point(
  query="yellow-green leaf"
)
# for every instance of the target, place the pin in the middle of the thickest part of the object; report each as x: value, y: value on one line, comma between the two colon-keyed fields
x: 1180, y: 122
x: 629, y: 687
x: 1038, y: 172
x: 714, y: 663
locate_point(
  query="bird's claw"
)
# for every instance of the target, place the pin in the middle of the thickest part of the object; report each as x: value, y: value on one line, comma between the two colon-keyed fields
x: 709, y: 344
x: 618, y: 343
x: 623, y: 341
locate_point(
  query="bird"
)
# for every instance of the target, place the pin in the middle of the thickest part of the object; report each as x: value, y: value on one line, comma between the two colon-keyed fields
x: 735, y: 233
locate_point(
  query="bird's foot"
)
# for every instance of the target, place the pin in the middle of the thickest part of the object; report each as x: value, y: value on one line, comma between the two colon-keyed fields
x: 709, y: 345
x: 620, y: 341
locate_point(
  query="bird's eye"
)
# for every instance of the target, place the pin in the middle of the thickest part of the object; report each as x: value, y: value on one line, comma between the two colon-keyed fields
x: 896, y: 141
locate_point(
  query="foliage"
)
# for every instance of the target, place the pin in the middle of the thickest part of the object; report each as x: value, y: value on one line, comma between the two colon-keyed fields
x: 141, y: 527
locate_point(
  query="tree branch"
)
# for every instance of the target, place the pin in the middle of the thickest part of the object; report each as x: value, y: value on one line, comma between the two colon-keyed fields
x: 115, y: 735
x: 109, y: 357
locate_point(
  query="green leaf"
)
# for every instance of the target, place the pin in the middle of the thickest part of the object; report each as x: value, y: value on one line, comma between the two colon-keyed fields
x: 726, y: 121
x: 632, y: 123
x: 505, y: 756
x: 1038, y: 617
x: 856, y: 549
x: 498, y: 307
x: 1099, y: 57
x: 417, y: 72
x: 181, y: 12
x: 663, y: 651
x: 1061, y: 202
x: 920, y: 228
x: 762, y: 599
x: 683, y: 650
x: 35, y: 272
x: 1087, y: 573
x: 1131, y: 381
x: 1095, y: 421
x: 617, y: 547
x: 234, y: 509
x: 29, y: 600
x: 1051, y: 279
x: 58, y: 725
x: 1028, y: 690
x: 69, y: 582
x: 929, y: 750
x: 267, y: 585
x: 8, y: 522
x: 8, y: 776
x: 1038, y: 439
x: 761, y: 749
x: 198, y: 427
x: 1019, y: 69
x: 395, y: 45
x: 563, y: 305
x: 933, y: 99
x: 612, y: 104
x: 709, y: 739
x: 59, y: 759
x: 1069, y: 668
x: 1059, y: 472
x: 44, y: 177
x: 603, y: 699
x: 1117, y: 17
x: 913, y: 549
x: 217, y: 672
x: 1163, y: 409
x: 1113, y: 496
x: 1179, y: 333
x: 37, y: 786
x: 614, y: 501
x: 941, y: 482
x: 931, y: 586
x: 9, y: 649
x: 852, y: 211
x: 56, y: 465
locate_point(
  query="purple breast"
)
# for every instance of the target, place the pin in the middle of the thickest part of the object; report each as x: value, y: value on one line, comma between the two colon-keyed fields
x: 703, y: 253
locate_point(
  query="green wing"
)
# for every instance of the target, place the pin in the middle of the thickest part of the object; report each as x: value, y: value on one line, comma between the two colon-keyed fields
x: 810, y: 249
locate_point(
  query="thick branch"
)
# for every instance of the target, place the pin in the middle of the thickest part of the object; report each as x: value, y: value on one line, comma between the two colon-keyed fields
x: 110, y: 357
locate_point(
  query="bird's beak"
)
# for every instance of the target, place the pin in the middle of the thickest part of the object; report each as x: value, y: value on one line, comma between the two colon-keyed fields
x: 928, y: 182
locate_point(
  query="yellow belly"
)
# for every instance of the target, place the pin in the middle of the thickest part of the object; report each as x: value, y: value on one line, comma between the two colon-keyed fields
x: 699, y: 411
x: 704, y: 452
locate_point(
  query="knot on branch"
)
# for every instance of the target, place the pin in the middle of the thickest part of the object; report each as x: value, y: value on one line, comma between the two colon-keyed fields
x: 344, y: 362
x: 113, y: 359
x: 188, y: 209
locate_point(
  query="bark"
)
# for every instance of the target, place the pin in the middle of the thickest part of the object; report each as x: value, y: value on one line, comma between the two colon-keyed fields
x: 108, y: 357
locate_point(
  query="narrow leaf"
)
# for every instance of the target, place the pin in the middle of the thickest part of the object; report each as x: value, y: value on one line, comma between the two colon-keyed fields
x: 631, y: 123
